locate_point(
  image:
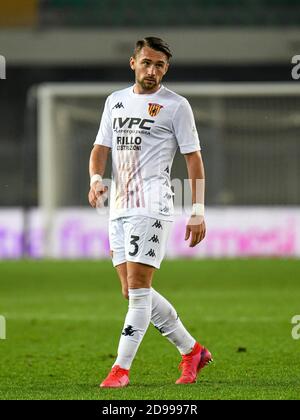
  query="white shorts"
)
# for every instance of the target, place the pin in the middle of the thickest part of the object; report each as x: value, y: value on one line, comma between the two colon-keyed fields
x: 138, y: 239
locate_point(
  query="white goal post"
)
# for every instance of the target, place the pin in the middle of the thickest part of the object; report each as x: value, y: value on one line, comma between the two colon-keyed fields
x: 239, y: 119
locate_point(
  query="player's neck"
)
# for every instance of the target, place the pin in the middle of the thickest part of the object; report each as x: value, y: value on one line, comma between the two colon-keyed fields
x: 138, y: 89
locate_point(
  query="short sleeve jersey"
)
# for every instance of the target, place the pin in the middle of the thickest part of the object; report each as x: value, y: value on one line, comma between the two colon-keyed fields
x: 144, y: 132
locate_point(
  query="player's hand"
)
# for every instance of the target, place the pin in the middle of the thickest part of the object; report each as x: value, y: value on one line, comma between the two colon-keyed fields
x: 97, y: 194
x: 195, y: 229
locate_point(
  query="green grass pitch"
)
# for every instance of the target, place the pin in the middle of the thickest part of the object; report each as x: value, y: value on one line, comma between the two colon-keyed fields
x: 64, y: 319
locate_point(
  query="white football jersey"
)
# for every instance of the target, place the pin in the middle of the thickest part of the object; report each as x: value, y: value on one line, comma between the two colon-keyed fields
x: 143, y: 132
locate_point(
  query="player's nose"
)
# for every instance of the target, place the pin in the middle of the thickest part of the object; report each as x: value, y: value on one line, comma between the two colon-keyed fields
x: 151, y: 71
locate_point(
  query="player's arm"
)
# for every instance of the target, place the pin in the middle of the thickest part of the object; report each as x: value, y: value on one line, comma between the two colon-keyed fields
x: 196, y: 225
x: 97, y: 166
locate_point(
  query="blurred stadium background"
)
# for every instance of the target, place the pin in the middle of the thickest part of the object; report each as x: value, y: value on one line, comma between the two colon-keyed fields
x: 233, y: 61
x: 237, y: 53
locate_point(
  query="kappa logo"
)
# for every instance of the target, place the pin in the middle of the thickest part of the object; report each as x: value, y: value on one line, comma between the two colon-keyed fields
x: 154, y: 239
x: 118, y: 105
x: 157, y: 224
x: 129, y: 331
x: 153, y: 109
x: 151, y: 253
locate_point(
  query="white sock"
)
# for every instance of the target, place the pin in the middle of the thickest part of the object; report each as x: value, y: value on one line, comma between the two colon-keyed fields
x: 165, y: 319
x: 136, y: 323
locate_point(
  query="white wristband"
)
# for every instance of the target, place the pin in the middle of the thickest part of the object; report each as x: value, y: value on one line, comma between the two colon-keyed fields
x: 198, y: 209
x: 95, y: 178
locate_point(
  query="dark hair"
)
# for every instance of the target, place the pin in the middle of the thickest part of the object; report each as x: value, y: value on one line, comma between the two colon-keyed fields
x: 154, y: 43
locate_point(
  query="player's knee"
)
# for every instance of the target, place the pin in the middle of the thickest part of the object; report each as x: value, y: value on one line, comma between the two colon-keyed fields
x: 137, y: 280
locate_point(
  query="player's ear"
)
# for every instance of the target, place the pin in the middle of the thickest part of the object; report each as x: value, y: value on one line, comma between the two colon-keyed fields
x: 132, y: 63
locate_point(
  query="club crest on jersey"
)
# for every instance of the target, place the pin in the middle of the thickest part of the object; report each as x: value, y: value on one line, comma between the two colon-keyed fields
x: 154, y: 109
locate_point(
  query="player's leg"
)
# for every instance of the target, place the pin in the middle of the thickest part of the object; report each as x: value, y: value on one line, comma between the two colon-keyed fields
x: 139, y: 278
x: 146, y: 243
x: 194, y: 356
x: 166, y: 320
x: 163, y: 316
x: 122, y: 274
x: 118, y: 377
x: 141, y: 240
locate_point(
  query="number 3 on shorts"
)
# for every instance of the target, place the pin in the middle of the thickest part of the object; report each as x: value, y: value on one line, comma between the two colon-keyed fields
x: 134, y: 243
